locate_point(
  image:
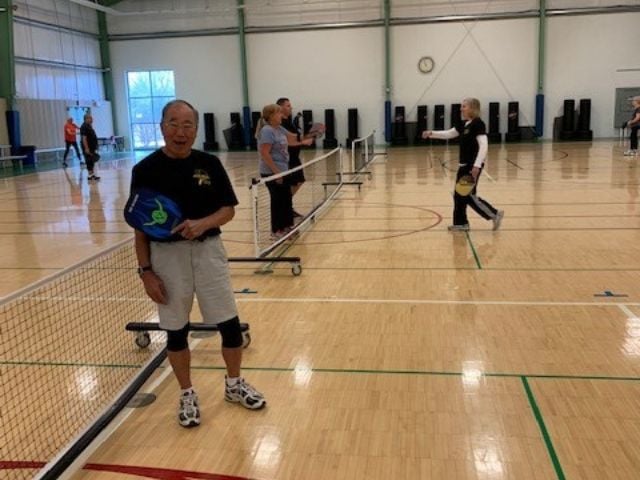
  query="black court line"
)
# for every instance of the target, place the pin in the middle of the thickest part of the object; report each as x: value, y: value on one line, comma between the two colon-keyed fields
x: 484, y: 268
x: 449, y: 205
x: 514, y: 164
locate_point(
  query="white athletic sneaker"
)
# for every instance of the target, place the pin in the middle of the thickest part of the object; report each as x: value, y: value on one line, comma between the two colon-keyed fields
x: 630, y: 153
x: 497, y: 220
x: 244, y: 394
x: 188, y: 411
x: 458, y: 228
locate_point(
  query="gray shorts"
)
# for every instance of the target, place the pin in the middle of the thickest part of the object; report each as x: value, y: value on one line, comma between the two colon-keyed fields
x: 189, y: 267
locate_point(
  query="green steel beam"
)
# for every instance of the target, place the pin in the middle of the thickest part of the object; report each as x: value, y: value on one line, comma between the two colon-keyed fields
x: 105, y: 57
x: 542, y: 44
x: 7, y: 61
x: 243, y: 53
x: 387, y: 49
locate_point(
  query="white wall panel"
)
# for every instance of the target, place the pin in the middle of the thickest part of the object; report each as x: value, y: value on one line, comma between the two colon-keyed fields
x: 163, y: 16
x: 50, y: 83
x: 495, y: 62
x: 207, y: 73
x: 583, y: 57
x: 278, y: 13
x: 415, y: 8
x: 561, y: 4
x: 53, y: 113
x: 58, y: 12
x: 321, y: 69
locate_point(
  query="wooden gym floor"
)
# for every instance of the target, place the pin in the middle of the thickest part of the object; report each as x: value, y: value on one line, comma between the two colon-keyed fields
x: 402, y: 351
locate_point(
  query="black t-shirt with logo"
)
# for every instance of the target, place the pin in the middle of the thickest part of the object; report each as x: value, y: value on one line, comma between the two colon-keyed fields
x: 468, y: 144
x: 86, y: 130
x: 199, y: 184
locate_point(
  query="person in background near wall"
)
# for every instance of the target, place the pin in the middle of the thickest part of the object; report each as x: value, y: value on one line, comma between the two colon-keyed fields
x: 273, y: 142
x: 70, y: 131
x: 473, y: 155
x: 634, y: 125
x: 89, y: 146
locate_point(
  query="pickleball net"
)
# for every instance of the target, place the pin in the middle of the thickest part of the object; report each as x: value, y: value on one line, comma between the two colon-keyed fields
x: 67, y: 365
x: 323, y: 179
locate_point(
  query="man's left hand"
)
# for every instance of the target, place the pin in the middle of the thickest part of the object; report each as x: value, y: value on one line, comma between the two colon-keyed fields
x: 192, y: 229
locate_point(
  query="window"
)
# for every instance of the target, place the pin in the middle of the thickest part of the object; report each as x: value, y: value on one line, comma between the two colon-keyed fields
x: 149, y: 92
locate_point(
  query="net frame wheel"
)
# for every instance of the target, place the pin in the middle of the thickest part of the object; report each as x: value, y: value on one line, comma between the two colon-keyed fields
x: 296, y: 270
x: 143, y: 339
x: 246, y: 339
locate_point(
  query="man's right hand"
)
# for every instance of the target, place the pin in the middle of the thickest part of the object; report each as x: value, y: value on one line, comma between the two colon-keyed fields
x: 426, y: 134
x: 154, y: 287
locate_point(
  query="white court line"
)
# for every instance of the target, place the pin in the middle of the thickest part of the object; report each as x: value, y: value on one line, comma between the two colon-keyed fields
x: 407, y: 301
x: 111, y: 428
x: 626, y: 310
x: 488, y: 176
x: 431, y: 302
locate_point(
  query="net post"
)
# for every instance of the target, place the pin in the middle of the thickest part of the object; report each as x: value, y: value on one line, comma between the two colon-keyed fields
x: 254, y: 204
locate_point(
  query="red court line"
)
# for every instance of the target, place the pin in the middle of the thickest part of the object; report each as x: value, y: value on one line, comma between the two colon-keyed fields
x: 146, y: 472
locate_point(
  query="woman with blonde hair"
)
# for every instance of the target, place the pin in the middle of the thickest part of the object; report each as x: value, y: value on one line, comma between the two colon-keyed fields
x: 273, y: 142
x: 473, y: 155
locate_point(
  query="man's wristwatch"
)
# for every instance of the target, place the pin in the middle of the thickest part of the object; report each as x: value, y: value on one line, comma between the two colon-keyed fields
x: 141, y: 270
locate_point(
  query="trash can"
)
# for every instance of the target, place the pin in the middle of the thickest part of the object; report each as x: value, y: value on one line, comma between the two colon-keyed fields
x: 30, y: 152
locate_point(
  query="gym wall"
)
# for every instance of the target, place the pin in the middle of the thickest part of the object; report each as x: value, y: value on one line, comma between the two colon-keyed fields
x: 53, y: 113
x: 207, y: 74
x: 584, y: 55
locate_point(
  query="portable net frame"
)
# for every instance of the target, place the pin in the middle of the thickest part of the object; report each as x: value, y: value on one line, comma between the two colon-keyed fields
x: 67, y: 365
x: 323, y: 179
x: 362, y: 154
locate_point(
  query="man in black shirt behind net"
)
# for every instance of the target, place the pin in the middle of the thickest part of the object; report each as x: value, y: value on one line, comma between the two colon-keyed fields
x: 194, y: 259
x: 89, y: 146
x: 294, y: 125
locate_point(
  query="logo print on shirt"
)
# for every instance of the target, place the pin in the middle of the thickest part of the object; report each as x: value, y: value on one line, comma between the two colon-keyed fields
x: 202, y: 177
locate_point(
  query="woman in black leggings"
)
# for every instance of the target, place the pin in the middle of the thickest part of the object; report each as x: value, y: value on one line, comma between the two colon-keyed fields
x: 473, y: 154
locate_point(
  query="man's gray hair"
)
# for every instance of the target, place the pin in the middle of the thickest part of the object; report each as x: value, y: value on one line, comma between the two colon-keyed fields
x: 176, y: 102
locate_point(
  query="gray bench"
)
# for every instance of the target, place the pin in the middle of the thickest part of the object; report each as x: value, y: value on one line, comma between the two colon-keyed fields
x: 11, y: 160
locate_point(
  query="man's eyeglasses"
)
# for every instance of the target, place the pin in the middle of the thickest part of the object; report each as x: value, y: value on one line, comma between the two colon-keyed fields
x: 186, y: 127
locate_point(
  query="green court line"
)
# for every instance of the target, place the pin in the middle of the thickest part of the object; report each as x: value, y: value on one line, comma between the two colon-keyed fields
x: 337, y: 370
x: 473, y: 249
x: 543, y: 430
x: 426, y: 373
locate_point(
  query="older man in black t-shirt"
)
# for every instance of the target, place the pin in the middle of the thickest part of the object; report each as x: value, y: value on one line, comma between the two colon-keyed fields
x: 89, y: 145
x: 194, y: 259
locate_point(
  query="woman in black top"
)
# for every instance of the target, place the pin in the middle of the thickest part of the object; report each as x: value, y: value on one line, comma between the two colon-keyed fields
x: 634, y: 126
x: 473, y: 154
